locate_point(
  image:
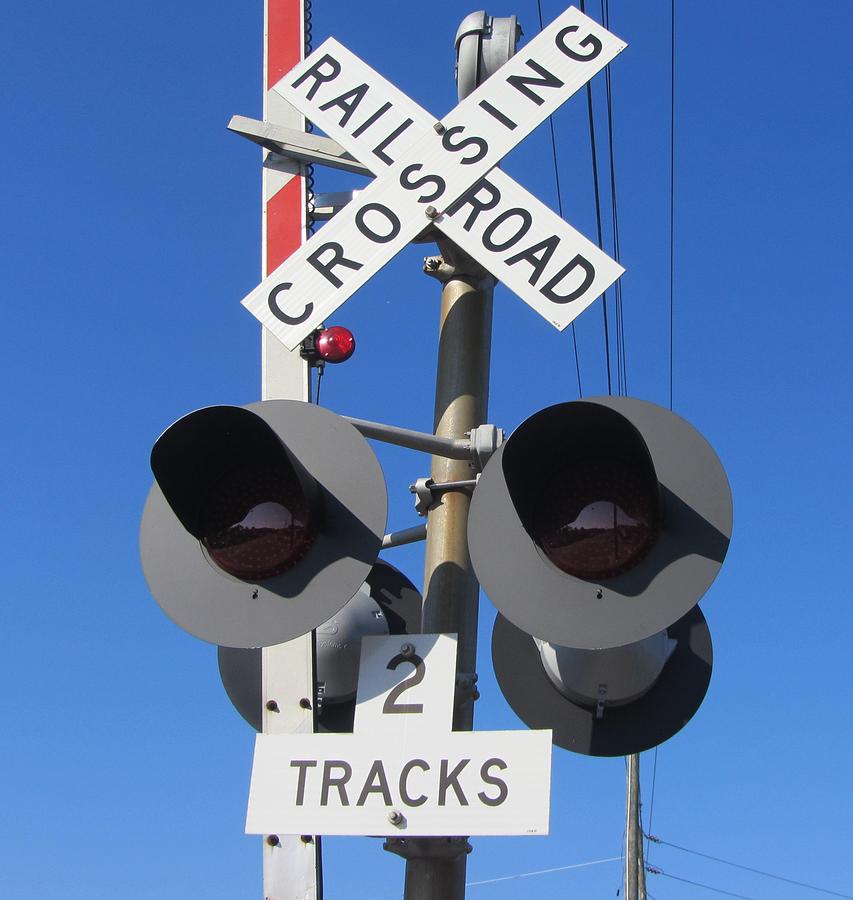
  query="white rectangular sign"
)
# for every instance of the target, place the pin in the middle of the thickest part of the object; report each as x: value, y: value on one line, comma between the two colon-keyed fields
x: 403, y: 772
x: 441, y: 784
x: 425, y: 167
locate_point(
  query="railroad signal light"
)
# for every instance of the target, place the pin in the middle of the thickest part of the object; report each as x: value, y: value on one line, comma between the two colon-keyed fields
x: 595, y: 529
x: 600, y: 522
x: 264, y: 520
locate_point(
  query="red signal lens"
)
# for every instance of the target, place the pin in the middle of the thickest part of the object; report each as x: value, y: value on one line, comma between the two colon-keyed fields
x: 597, y: 519
x: 257, y: 522
x: 335, y: 344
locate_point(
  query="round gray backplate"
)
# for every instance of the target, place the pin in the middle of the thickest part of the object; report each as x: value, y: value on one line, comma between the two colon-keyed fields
x: 240, y: 669
x: 216, y: 607
x: 646, y: 722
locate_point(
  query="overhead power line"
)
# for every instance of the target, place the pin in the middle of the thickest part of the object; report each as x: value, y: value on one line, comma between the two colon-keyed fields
x: 560, y: 208
x: 735, y: 865
x: 621, y: 375
x: 594, y: 862
x: 598, y: 217
x: 656, y: 871
x: 621, y: 370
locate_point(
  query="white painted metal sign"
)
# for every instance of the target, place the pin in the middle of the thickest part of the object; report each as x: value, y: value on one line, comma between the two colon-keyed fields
x: 447, y: 169
x: 402, y: 772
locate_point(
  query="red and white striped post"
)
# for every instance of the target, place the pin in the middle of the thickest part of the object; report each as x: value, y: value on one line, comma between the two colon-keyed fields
x: 292, y: 865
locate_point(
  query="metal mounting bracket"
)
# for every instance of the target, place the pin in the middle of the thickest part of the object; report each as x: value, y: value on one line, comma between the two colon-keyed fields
x: 427, y: 491
x: 484, y: 440
x: 466, y: 687
x: 428, y: 848
x: 325, y: 205
x: 453, y: 262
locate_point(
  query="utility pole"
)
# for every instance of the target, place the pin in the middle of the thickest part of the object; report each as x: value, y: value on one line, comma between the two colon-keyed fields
x: 635, y: 873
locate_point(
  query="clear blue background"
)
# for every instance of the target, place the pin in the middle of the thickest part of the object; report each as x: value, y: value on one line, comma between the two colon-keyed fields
x: 131, y: 230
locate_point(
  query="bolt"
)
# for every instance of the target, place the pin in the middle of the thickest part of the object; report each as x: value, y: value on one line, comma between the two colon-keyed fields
x: 273, y: 840
x: 272, y: 706
x: 255, y: 594
x: 431, y: 263
x: 305, y: 703
x: 602, y: 699
x: 599, y: 594
x: 395, y: 817
x: 438, y: 128
x: 431, y: 212
x: 407, y: 649
x: 306, y: 839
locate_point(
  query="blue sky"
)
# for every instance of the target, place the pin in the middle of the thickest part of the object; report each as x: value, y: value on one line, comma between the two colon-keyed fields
x: 131, y: 232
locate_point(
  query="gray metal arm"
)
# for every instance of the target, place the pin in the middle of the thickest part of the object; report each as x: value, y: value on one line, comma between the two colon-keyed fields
x: 452, y: 448
x: 309, y: 148
x: 477, y: 447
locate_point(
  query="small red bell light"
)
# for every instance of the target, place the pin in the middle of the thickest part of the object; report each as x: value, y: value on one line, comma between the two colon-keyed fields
x: 335, y: 344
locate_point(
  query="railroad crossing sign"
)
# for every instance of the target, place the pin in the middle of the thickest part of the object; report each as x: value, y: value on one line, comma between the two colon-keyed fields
x: 444, y: 172
x: 402, y: 772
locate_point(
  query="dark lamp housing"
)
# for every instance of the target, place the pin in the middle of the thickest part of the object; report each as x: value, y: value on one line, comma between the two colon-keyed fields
x: 597, y: 518
x: 256, y: 522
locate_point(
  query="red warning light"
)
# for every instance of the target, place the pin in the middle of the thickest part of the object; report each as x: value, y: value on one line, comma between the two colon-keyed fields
x: 335, y: 344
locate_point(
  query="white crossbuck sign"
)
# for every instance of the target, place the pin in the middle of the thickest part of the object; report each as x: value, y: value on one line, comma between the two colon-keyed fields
x: 442, y: 172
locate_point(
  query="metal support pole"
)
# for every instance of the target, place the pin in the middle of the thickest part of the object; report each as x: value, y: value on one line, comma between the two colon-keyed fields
x: 292, y: 865
x: 461, y: 402
x: 435, y: 868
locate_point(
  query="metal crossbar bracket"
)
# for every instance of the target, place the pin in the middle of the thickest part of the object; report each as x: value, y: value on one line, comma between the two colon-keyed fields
x: 325, y: 205
x: 428, y: 848
x: 406, y: 536
x: 427, y: 491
